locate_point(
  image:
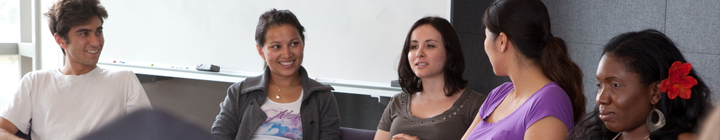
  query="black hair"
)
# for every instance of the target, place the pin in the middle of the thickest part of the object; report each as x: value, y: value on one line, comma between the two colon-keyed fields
x: 278, y: 18
x: 526, y: 23
x: 650, y: 53
x: 454, y: 64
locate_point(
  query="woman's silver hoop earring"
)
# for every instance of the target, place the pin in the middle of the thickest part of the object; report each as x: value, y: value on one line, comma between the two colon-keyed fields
x: 660, y: 122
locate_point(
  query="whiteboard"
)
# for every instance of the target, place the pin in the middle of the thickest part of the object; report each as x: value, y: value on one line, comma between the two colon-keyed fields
x: 357, y: 40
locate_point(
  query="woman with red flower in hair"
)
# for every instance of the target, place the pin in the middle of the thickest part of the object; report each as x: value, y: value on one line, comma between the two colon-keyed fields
x: 678, y: 82
x: 646, y: 90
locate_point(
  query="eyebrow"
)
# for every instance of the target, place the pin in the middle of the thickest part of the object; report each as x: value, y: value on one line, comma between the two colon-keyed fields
x: 294, y: 39
x: 82, y: 30
x: 87, y: 30
x: 428, y: 40
x: 608, y: 78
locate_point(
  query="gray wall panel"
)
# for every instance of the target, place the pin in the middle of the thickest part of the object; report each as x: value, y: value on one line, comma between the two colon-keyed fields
x: 478, y: 70
x: 708, y: 67
x: 467, y: 15
x: 595, y: 22
x: 587, y: 56
x: 359, y: 111
x: 588, y: 25
x: 694, y: 25
x: 467, y: 21
x: 195, y: 100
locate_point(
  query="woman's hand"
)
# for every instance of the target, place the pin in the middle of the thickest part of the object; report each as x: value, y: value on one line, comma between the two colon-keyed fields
x: 403, y: 136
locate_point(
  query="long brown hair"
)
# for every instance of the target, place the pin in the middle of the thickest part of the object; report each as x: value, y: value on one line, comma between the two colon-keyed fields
x: 527, y: 25
x: 454, y: 64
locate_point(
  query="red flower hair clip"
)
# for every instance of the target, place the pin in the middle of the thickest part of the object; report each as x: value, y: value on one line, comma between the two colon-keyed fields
x: 678, y: 82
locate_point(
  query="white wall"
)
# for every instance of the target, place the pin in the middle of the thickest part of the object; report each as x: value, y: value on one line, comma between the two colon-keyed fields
x: 351, y: 40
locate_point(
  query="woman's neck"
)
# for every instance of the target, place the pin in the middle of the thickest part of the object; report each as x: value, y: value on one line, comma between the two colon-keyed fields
x: 434, y: 86
x: 639, y: 133
x: 527, y: 79
x: 285, y: 81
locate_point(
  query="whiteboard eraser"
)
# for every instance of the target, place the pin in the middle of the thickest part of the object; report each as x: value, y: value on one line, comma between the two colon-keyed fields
x: 208, y: 67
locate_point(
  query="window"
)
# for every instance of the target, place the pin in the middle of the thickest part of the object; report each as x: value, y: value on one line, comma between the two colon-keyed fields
x: 9, y: 21
x: 10, y: 73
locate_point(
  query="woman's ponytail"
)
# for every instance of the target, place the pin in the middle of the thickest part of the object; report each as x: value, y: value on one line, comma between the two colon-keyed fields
x: 557, y: 66
x: 527, y: 24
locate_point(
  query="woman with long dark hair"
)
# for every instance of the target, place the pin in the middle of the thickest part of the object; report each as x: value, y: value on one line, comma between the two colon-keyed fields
x: 646, y: 90
x: 545, y: 97
x: 435, y: 103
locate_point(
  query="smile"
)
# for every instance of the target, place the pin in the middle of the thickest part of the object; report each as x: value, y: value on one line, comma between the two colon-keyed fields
x: 287, y: 63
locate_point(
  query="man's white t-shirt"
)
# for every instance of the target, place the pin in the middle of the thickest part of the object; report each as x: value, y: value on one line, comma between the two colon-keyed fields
x: 59, y: 106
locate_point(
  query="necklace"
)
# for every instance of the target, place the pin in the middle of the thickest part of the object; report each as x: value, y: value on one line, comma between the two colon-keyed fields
x: 278, y: 94
x: 618, y: 135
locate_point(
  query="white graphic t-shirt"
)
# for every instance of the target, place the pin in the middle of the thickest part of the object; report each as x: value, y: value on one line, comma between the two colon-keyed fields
x: 283, y: 121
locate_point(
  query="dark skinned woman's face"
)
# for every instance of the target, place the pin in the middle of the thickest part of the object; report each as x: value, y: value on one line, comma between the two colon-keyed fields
x: 624, y: 102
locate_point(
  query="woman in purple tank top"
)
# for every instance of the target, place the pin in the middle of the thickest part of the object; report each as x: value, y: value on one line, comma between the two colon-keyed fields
x: 545, y: 97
